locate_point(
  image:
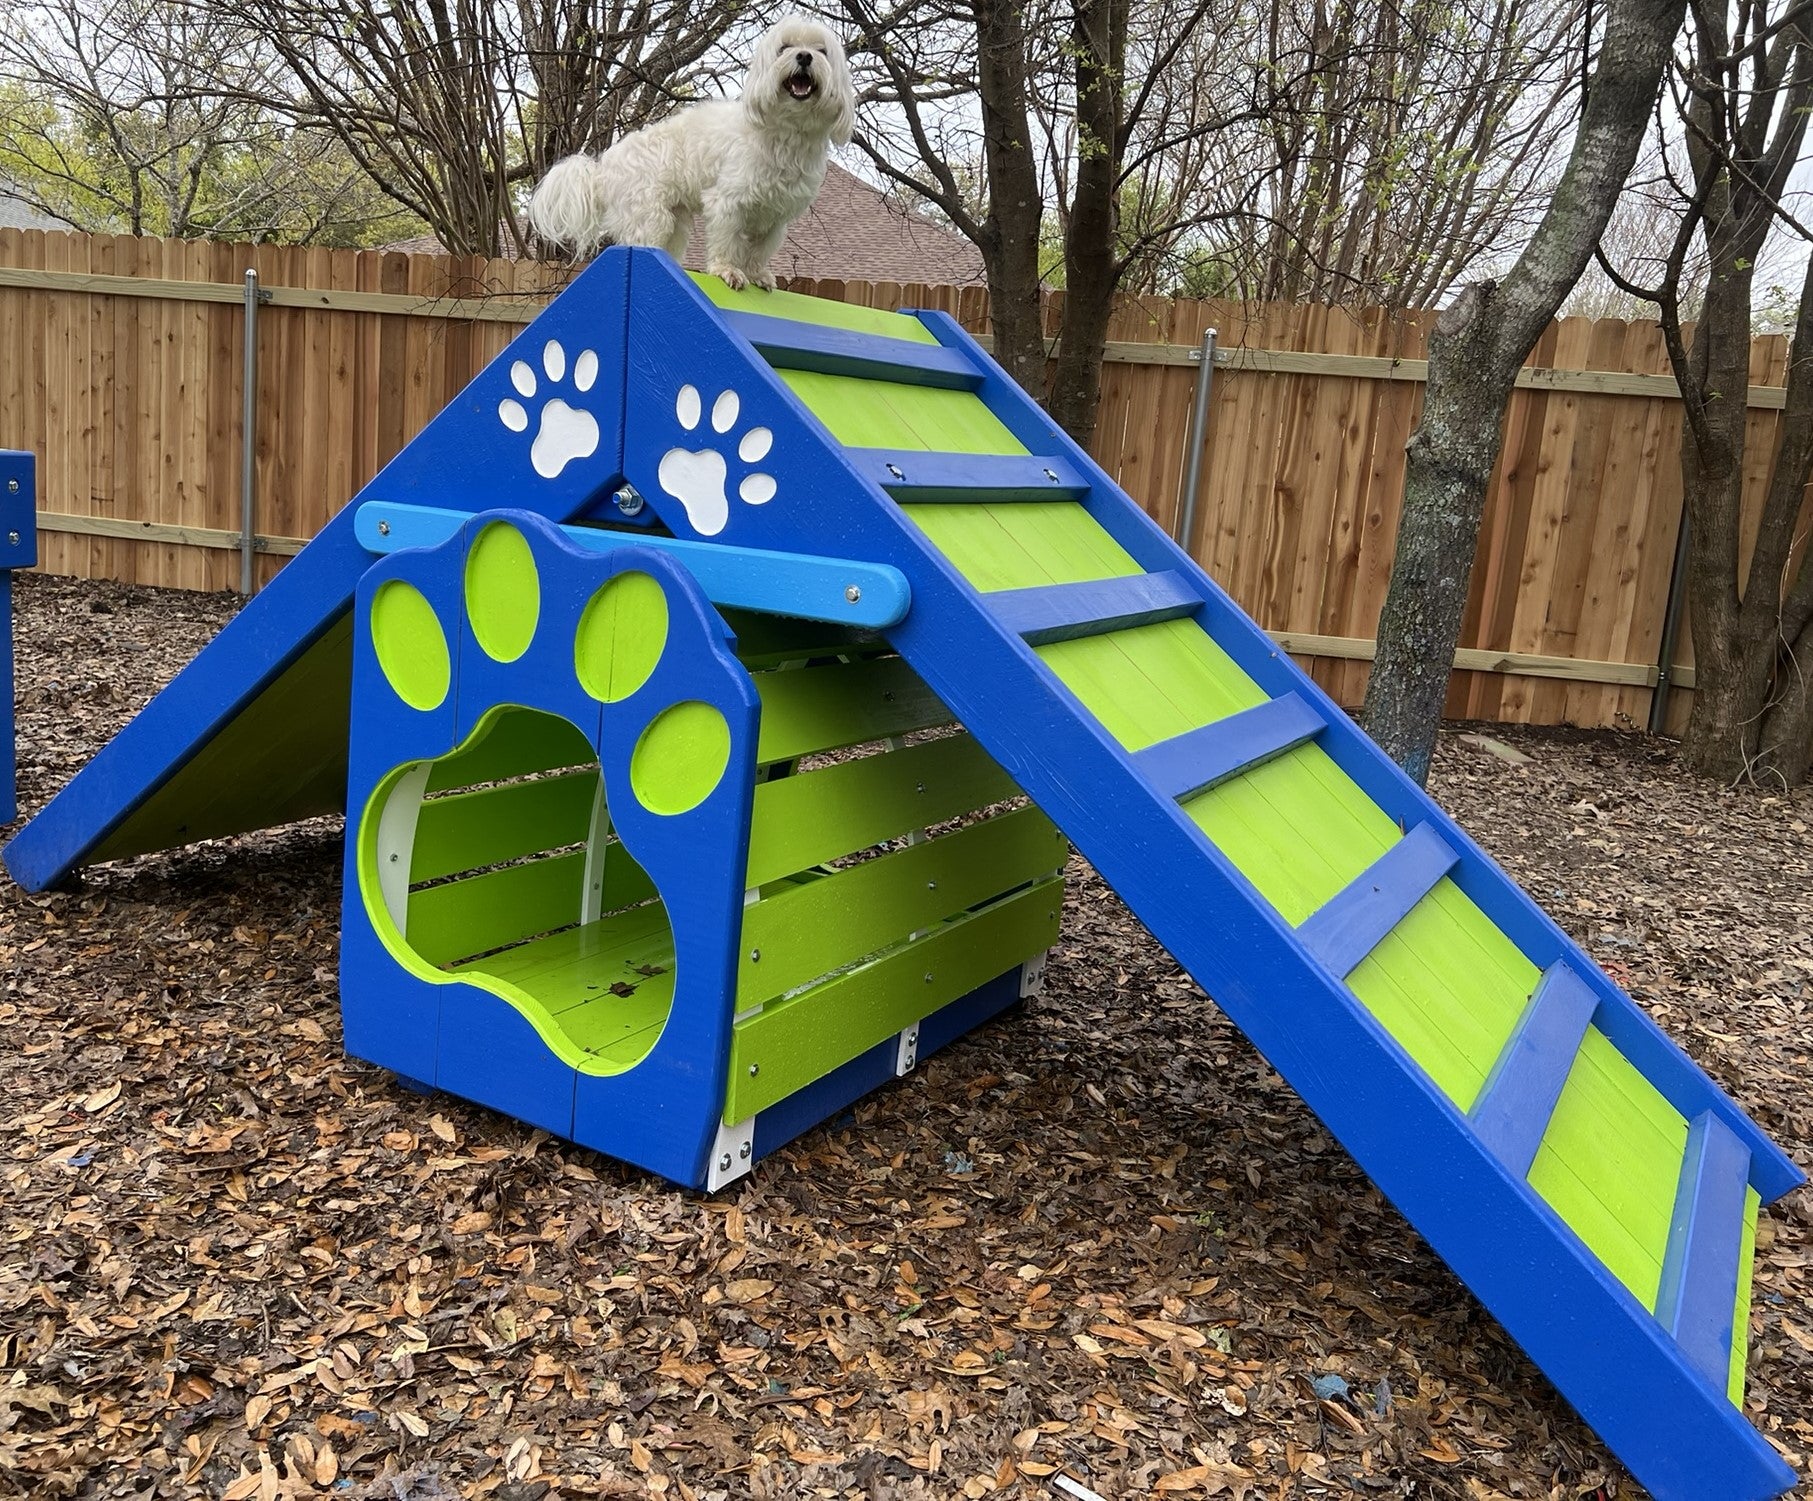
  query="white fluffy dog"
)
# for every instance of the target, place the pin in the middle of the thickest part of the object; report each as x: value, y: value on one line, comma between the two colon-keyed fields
x: 751, y: 166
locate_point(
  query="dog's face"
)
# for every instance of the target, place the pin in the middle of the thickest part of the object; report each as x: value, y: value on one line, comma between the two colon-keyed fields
x: 798, y: 79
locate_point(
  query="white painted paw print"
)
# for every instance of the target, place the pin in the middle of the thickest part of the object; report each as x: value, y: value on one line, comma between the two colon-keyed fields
x: 565, y: 433
x: 696, y: 478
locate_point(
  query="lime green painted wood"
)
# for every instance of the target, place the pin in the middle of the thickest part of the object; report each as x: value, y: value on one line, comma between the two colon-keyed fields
x: 1610, y: 1164
x: 817, y: 310
x: 469, y: 830
x: 512, y: 742
x: 570, y: 975
x: 503, y: 592
x: 833, y: 811
x: 804, y: 932
x: 680, y: 758
x: 793, y: 1042
x: 282, y: 757
x: 622, y: 633
x: 459, y: 919
x: 410, y: 644
x: 1048, y: 542
x: 1740, y: 1316
x: 888, y: 414
x: 839, y: 705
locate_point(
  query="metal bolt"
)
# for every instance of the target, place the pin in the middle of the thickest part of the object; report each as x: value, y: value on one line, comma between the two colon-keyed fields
x: 393, y: 859
x: 754, y: 1069
x: 931, y: 885
x: 755, y: 956
x: 13, y: 486
x: 629, y: 501
x: 1052, y: 475
x: 724, y: 1162
x: 744, y: 1154
x: 928, y: 977
x: 896, y: 471
x: 922, y: 786
x: 12, y: 539
x: 852, y: 593
x: 383, y: 528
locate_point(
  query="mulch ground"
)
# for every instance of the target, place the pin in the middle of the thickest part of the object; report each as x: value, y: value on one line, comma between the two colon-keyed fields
x: 1101, y: 1236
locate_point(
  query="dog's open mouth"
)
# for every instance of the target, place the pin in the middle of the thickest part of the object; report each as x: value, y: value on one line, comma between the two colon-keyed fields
x: 801, y: 86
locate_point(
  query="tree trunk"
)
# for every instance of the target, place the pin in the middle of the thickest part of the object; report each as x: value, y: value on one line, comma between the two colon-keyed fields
x: 1010, y: 234
x: 1784, y: 749
x: 1091, y: 268
x: 1474, y: 355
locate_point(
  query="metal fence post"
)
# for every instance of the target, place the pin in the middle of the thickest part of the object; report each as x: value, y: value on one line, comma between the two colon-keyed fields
x: 1671, y: 630
x: 1199, y: 433
x: 248, y: 441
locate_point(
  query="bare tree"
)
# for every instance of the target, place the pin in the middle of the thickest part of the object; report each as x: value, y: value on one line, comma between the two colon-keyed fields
x: 1744, y: 92
x: 1474, y: 354
x: 133, y: 115
x: 451, y: 105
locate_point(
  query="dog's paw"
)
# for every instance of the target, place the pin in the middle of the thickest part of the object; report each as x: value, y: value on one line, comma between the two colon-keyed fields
x: 564, y: 433
x: 696, y: 478
x: 733, y: 277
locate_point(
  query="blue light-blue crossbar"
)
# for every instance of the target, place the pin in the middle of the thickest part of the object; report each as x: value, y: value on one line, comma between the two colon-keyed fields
x: 839, y: 351
x: 839, y: 590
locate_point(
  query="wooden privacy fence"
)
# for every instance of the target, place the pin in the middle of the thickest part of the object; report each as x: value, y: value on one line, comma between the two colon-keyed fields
x: 121, y: 367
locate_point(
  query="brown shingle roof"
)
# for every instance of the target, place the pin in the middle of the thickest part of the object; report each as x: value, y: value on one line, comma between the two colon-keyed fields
x: 852, y: 232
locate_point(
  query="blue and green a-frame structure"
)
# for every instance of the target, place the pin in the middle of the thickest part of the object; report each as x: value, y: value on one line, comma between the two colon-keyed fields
x: 589, y: 665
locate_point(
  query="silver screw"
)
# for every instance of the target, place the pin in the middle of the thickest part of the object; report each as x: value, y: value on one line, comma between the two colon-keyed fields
x: 852, y: 593
x: 383, y: 528
x: 1052, y: 475
x: 724, y: 1162
x: 393, y: 859
x: 754, y: 1069
x: 12, y: 485
x: 12, y: 539
x: 931, y: 885
x: 928, y: 977
x: 755, y: 956
x: 896, y: 471
x: 744, y: 1154
x: 921, y: 786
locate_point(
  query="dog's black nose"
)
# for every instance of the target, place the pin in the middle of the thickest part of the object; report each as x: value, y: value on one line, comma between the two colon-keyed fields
x: 802, y: 60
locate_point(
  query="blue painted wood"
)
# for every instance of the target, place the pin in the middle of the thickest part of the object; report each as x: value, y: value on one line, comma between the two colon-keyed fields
x: 916, y: 478
x: 1698, y: 1294
x: 1626, y: 1025
x: 772, y: 583
x: 1199, y: 759
x: 18, y: 549
x: 1552, y: 1294
x: 1063, y: 612
x: 1352, y: 923
x: 1520, y: 1094
x: 467, y: 458
x: 787, y: 345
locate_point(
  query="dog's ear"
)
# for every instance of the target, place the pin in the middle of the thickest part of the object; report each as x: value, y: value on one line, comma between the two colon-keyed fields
x: 842, y: 91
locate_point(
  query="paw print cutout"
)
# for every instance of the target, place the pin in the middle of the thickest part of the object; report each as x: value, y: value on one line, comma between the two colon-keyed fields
x: 564, y: 432
x: 697, y: 477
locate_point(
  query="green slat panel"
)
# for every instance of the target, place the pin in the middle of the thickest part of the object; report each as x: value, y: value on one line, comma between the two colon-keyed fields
x: 794, y: 1042
x: 889, y: 414
x: 463, y: 918
x: 511, y: 742
x: 1610, y: 1168
x: 487, y: 826
x: 807, y: 931
x: 281, y: 758
x: 863, y: 320
x: 1740, y: 1317
x: 832, y: 811
x: 825, y: 708
x: 1053, y: 542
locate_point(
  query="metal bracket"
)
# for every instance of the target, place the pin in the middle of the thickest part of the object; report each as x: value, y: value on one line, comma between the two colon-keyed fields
x: 732, y: 1154
x: 1032, y: 976
x: 906, y: 1055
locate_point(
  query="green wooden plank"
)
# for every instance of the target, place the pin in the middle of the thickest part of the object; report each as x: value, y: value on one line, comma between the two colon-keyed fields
x: 1023, y: 545
x: 788, y: 1045
x: 280, y: 758
x: 832, y: 811
x: 889, y: 414
x: 489, y: 825
x: 837, y: 705
x: 827, y: 314
x: 462, y: 918
x: 1600, y: 1160
x: 1740, y: 1316
x: 512, y: 742
x: 807, y: 931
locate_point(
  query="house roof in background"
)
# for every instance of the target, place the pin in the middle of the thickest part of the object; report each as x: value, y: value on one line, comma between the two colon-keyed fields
x: 17, y: 215
x: 853, y: 232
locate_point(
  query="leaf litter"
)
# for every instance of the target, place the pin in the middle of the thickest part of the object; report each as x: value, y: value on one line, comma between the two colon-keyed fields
x: 1099, y: 1239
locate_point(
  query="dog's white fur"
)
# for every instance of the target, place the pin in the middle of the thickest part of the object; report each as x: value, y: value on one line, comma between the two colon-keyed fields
x: 750, y: 166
